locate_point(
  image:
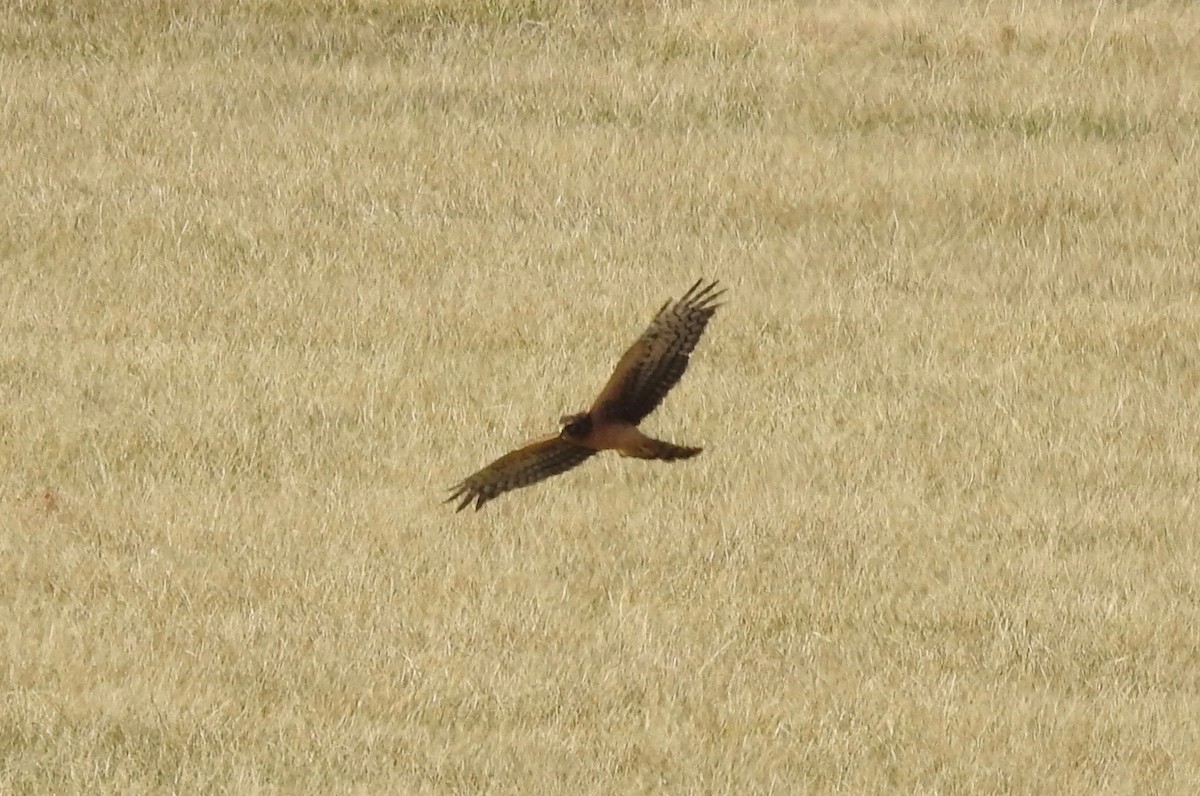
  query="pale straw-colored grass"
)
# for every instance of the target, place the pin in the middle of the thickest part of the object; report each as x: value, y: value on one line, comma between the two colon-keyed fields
x: 272, y: 279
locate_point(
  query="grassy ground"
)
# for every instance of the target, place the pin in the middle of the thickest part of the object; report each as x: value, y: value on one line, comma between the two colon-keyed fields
x: 270, y: 281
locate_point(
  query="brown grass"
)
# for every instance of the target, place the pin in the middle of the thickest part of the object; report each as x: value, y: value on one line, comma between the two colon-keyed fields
x: 271, y: 280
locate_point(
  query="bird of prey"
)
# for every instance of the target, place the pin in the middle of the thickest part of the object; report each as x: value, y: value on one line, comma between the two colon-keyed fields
x: 643, y: 377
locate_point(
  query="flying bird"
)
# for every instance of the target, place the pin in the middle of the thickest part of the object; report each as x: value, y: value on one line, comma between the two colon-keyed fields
x: 643, y: 377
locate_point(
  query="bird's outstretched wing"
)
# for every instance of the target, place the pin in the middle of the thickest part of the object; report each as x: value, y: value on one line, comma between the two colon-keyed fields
x: 655, y: 363
x: 527, y: 465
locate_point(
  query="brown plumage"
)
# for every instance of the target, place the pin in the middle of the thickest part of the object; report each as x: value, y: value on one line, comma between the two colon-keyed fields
x: 643, y: 377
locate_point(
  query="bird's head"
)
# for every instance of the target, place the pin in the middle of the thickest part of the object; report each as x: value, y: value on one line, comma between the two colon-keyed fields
x: 576, y: 426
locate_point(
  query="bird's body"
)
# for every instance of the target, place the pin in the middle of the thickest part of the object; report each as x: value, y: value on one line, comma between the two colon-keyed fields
x: 626, y: 439
x: 642, y: 378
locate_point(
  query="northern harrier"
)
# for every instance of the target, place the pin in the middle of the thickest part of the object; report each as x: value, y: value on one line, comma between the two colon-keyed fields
x: 644, y: 376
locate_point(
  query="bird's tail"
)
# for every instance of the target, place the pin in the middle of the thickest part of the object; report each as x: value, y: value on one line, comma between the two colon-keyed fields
x: 665, y: 451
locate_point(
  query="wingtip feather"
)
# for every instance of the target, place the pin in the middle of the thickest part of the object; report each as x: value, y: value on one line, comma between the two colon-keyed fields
x: 704, y: 296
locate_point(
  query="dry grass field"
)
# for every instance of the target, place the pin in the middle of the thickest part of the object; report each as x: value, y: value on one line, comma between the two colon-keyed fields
x: 271, y: 280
